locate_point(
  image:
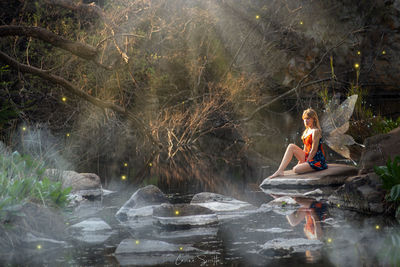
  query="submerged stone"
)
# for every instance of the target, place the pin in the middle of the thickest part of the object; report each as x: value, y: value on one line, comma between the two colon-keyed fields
x: 220, y: 203
x: 281, y: 247
x: 93, y: 230
x: 155, y: 252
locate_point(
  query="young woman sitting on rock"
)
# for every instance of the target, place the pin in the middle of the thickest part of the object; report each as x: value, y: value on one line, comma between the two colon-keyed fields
x: 312, y: 156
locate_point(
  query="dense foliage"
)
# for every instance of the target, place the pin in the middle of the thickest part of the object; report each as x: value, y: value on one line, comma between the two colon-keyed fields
x: 22, y: 180
x: 390, y: 175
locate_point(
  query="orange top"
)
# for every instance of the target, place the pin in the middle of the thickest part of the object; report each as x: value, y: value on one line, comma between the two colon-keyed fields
x: 308, y: 141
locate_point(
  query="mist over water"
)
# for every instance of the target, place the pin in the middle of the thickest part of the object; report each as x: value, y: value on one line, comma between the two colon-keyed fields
x: 199, y: 67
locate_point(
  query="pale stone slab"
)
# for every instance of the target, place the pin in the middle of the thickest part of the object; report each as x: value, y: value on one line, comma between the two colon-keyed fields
x: 336, y: 174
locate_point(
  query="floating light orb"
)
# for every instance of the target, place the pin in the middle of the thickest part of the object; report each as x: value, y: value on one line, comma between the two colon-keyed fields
x: 150, y: 164
x: 383, y: 52
x: 137, y: 242
x: 125, y: 164
x: 356, y: 65
x: 39, y: 247
x: 377, y: 227
x: 329, y: 240
x: 358, y: 52
x: 64, y: 99
x: 24, y: 128
x: 338, y: 205
x: 123, y: 177
x: 68, y: 135
x: 301, y: 23
x: 258, y: 16
x: 181, y: 248
x: 177, y: 212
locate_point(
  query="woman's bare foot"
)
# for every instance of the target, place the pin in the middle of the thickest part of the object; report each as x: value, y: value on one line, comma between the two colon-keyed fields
x: 276, y: 174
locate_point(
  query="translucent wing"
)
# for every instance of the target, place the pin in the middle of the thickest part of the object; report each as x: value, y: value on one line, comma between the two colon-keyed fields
x: 335, y: 123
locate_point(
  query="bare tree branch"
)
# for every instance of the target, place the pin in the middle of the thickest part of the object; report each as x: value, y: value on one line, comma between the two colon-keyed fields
x: 80, y: 49
x: 64, y: 83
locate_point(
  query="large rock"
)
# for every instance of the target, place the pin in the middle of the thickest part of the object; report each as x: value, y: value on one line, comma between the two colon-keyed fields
x: 78, y: 181
x: 141, y: 203
x: 378, y: 149
x: 336, y: 174
x: 363, y: 193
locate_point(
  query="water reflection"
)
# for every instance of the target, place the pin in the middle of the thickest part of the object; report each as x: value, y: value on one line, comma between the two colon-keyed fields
x: 313, y: 213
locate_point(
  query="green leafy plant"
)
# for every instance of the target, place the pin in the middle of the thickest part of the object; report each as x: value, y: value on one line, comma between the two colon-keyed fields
x: 385, y: 125
x: 390, y: 175
x: 22, y: 180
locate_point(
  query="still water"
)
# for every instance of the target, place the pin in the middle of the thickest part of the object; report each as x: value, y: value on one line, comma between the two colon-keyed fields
x: 292, y: 232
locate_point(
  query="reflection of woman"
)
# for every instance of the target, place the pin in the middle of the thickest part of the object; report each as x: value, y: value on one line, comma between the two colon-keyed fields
x: 313, y: 212
x: 311, y: 157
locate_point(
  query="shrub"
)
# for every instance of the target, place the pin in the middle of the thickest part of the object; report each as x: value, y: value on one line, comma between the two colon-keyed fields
x: 22, y: 181
x: 390, y: 175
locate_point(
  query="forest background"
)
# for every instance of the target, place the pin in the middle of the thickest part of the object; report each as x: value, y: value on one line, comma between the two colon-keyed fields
x: 166, y: 91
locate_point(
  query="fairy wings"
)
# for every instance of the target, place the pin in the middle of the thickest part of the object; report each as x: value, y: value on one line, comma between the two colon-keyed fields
x: 335, y: 123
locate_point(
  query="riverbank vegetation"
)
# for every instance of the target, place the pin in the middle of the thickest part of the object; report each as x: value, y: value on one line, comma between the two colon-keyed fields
x: 130, y: 88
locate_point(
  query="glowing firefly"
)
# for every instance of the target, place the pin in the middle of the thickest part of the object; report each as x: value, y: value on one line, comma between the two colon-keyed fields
x: 258, y: 16
x: 39, y: 247
x: 329, y: 240
x: 177, y: 212
x: 358, y: 52
x: 356, y: 65
x: 377, y: 227
x: 301, y: 22
x: 150, y: 164
x: 24, y: 128
x: 137, y: 242
x: 123, y: 177
x: 338, y: 205
x: 64, y: 99
x: 383, y: 52
x: 181, y: 248
x: 68, y: 135
x: 125, y: 164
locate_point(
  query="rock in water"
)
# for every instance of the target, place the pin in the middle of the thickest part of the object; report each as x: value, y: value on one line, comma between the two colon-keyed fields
x: 78, y: 181
x: 93, y: 230
x: 184, y: 216
x: 141, y: 203
x: 281, y: 247
x: 336, y: 174
x: 220, y: 203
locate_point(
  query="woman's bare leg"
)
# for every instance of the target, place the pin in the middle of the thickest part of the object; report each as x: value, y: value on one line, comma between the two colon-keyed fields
x: 291, y: 150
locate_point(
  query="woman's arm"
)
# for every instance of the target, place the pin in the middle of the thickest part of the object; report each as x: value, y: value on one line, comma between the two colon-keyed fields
x: 316, y: 135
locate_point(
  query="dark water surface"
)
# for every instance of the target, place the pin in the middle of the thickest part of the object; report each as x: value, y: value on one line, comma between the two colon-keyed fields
x: 265, y: 237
